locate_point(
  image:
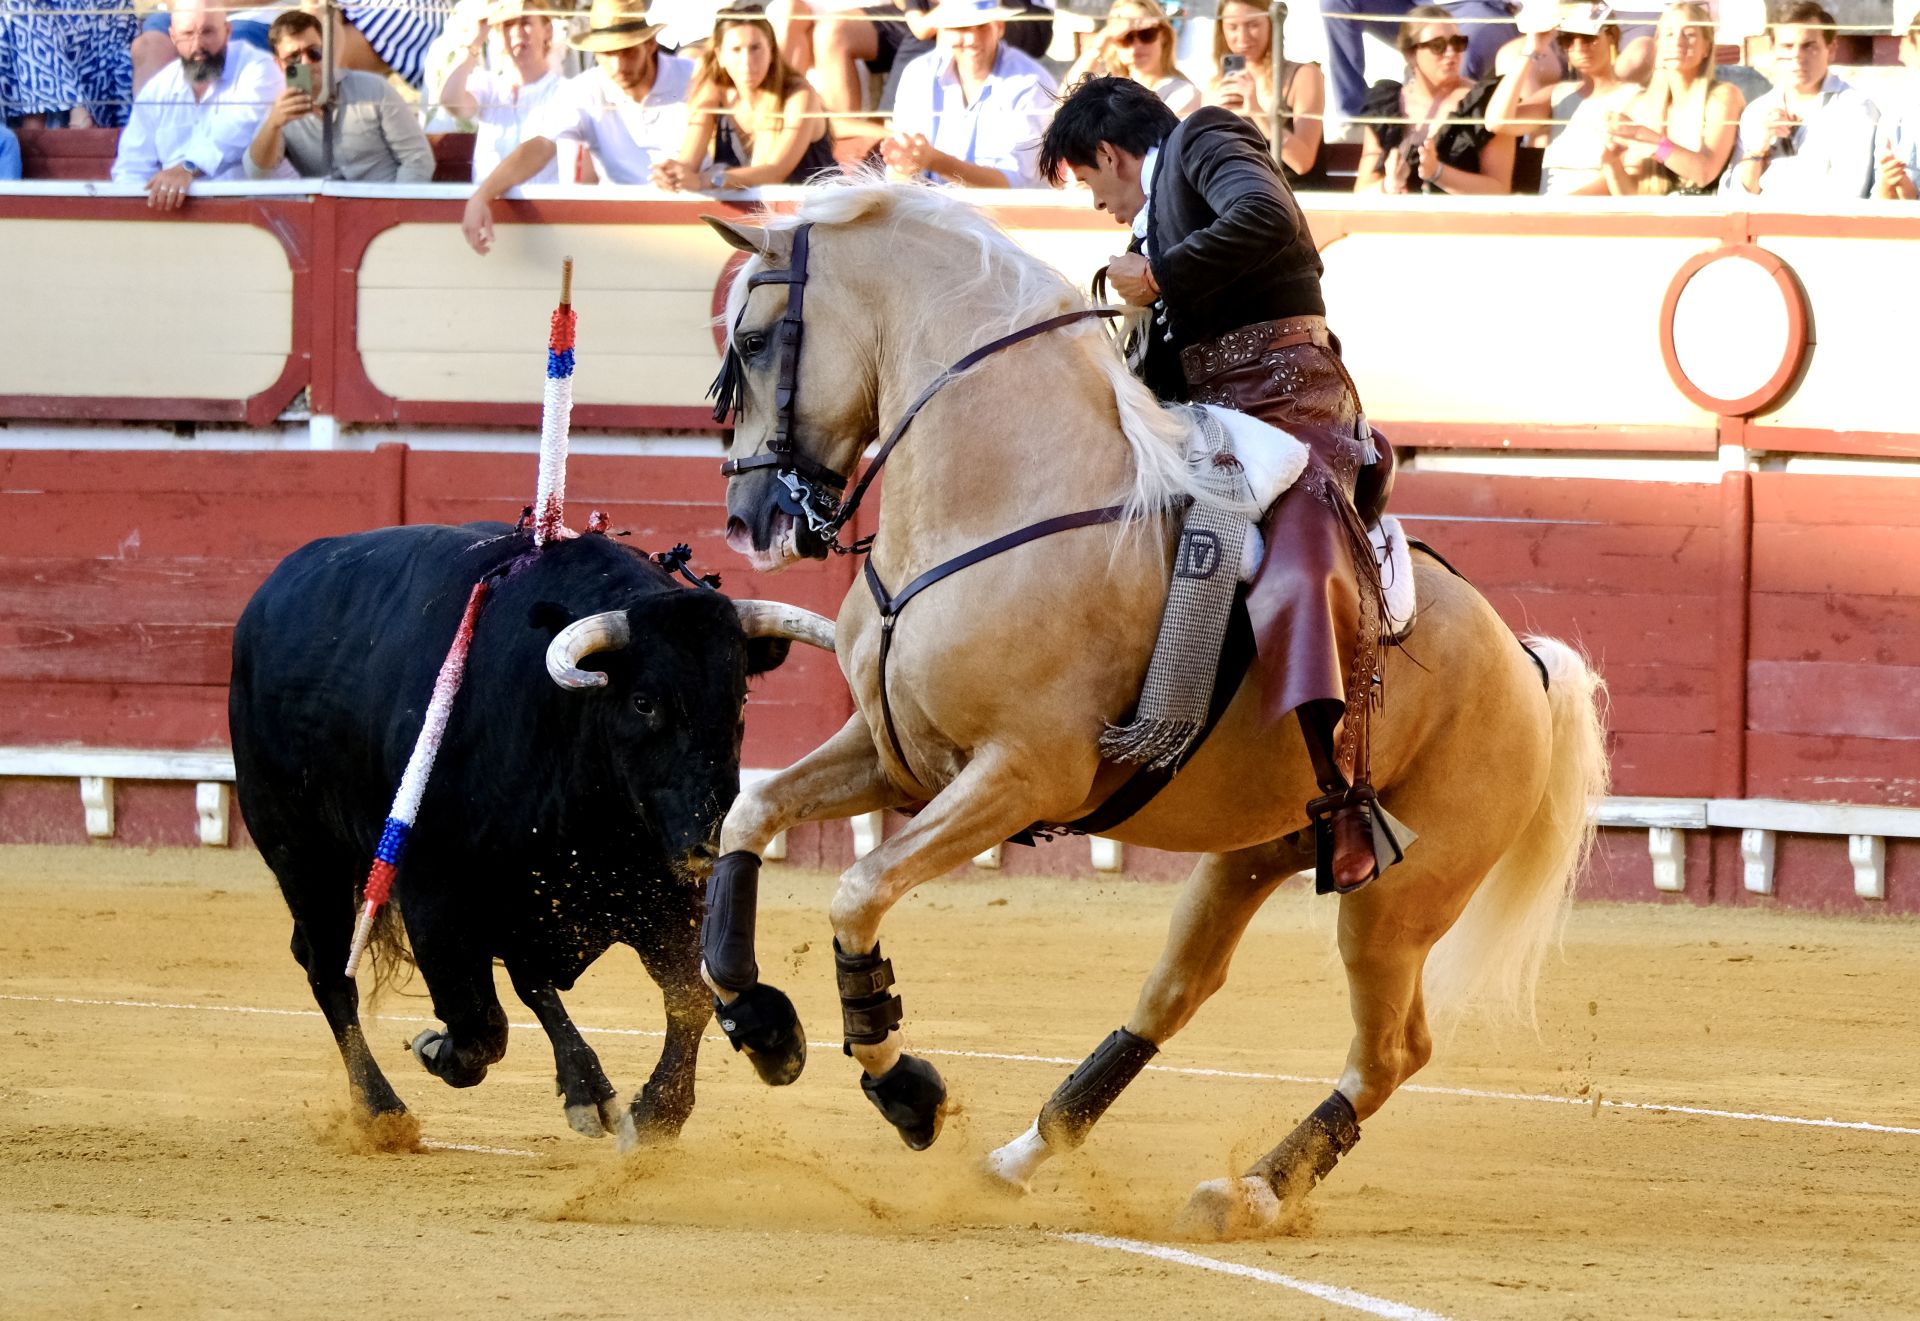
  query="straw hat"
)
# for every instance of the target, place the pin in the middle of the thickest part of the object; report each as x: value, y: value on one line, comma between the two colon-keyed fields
x: 615, y: 25
x: 970, y: 13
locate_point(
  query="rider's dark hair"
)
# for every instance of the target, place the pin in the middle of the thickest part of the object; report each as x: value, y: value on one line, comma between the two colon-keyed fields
x: 1116, y: 110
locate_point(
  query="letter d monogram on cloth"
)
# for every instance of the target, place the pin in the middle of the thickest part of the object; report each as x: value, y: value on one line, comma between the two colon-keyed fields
x: 1179, y: 683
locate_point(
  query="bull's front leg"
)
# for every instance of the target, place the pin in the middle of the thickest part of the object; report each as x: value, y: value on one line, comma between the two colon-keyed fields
x: 841, y: 778
x: 592, y: 1104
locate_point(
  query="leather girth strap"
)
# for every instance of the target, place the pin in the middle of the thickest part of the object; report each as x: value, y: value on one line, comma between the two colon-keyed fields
x: 1139, y: 789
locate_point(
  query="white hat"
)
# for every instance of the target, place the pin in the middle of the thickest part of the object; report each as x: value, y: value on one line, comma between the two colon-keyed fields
x: 970, y: 13
x: 1587, y: 20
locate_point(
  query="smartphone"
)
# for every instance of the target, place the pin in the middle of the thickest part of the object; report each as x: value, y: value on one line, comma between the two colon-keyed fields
x: 1232, y: 64
x: 300, y: 78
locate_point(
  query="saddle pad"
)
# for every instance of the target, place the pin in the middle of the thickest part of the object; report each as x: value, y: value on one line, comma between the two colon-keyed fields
x: 1395, y: 558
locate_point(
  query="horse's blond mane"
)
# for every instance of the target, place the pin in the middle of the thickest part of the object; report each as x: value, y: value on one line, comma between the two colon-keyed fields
x: 1004, y: 288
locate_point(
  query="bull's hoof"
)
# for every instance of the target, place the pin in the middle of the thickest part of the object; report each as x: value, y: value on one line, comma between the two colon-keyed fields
x: 437, y: 1056
x: 1010, y: 1169
x: 595, y: 1119
x: 657, y: 1115
x: 911, y: 1097
x: 1229, y: 1208
x: 763, y: 1022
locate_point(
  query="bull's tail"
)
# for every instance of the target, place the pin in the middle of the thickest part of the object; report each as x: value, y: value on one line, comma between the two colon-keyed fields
x: 1491, y: 957
x: 388, y: 952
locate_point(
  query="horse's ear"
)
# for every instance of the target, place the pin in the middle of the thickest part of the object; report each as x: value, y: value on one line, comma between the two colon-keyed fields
x: 751, y: 239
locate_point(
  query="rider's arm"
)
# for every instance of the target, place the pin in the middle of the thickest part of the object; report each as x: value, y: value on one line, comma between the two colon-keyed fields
x: 1256, y: 217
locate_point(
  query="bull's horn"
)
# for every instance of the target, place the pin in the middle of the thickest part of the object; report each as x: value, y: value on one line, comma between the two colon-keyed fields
x: 607, y: 631
x: 777, y: 619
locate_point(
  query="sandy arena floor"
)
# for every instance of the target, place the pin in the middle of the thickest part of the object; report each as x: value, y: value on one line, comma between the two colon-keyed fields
x: 170, y: 1126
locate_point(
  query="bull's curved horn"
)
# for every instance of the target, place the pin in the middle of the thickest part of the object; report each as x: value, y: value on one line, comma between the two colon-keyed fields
x: 607, y: 631
x: 777, y: 619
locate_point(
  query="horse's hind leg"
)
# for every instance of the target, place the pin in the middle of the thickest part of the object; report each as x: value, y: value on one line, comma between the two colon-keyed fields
x: 840, y: 778
x: 1220, y: 899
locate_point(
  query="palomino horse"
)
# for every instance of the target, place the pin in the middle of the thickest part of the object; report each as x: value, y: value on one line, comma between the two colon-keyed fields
x: 999, y: 678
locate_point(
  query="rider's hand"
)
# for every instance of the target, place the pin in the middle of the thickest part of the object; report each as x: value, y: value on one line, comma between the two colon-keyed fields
x: 1131, y: 277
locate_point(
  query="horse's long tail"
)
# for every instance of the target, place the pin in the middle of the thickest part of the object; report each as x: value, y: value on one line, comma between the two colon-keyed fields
x: 1491, y: 957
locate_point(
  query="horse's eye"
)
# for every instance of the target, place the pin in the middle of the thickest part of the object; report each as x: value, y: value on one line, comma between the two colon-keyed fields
x: 751, y: 343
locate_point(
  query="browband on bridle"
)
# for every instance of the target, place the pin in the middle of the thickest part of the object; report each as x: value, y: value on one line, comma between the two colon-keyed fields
x: 811, y: 486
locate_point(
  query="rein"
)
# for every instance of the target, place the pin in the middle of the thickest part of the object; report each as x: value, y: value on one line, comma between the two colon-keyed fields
x: 815, y: 503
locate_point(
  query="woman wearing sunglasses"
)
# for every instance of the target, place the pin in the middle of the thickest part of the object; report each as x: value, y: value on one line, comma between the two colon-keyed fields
x: 1243, y: 83
x: 1677, y: 136
x: 1577, y: 112
x: 1434, y: 139
x: 1137, y: 43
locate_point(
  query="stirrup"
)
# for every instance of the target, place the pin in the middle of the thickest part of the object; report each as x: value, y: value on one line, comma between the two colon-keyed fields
x: 1388, y: 837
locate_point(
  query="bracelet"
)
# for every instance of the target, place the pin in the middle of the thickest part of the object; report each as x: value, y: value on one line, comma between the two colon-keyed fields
x: 1665, y: 149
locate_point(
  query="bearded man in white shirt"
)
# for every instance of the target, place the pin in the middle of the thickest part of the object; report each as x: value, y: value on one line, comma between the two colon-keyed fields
x: 194, y: 119
x: 502, y: 103
x: 630, y: 112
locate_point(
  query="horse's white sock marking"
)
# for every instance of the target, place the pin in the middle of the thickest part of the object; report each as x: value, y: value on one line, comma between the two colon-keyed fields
x: 1326, y: 1293
x: 1015, y: 1163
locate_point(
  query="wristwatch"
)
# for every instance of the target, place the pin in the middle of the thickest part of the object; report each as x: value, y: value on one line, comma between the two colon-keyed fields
x: 193, y: 171
x: 717, y: 177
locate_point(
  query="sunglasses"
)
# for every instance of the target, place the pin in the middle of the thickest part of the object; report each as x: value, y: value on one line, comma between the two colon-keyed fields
x: 311, y: 54
x: 1567, y: 39
x: 1140, y: 36
x: 1458, y: 45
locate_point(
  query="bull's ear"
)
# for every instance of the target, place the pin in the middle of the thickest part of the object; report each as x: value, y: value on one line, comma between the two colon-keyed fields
x: 549, y: 617
x: 764, y: 654
x: 750, y: 239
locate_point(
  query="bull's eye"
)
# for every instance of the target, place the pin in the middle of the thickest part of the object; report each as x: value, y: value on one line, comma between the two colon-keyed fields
x: 752, y: 343
x: 643, y: 707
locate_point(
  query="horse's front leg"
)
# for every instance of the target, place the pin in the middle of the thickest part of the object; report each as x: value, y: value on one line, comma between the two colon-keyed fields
x: 840, y: 778
x: 990, y: 800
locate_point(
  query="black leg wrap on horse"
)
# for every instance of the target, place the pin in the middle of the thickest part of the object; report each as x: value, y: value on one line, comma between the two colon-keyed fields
x: 1309, y: 1153
x: 1077, y: 1104
x: 763, y: 1022
x: 867, y: 1010
x: 726, y: 937
x: 911, y: 1097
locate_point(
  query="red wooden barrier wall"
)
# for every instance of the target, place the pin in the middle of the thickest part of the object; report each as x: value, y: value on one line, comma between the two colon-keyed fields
x: 1760, y: 638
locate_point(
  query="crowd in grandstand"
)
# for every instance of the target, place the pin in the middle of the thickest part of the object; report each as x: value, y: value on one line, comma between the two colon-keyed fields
x: 690, y: 95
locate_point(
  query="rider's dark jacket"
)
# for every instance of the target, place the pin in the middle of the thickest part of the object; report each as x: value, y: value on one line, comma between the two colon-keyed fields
x: 1227, y: 242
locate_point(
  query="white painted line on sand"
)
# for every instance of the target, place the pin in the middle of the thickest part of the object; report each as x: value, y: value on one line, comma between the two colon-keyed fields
x: 1189, y: 1071
x: 1326, y: 1293
x: 483, y: 1151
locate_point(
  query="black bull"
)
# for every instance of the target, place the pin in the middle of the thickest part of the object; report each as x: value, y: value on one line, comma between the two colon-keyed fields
x: 557, y: 821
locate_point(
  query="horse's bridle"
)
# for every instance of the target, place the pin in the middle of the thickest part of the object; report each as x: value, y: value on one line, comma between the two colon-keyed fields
x: 810, y: 489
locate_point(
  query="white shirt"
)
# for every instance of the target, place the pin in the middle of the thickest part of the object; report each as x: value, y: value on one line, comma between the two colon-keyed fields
x: 167, y: 127
x: 500, y: 123
x: 1147, y: 166
x: 625, y: 136
x: 1003, y: 126
x: 1833, y: 148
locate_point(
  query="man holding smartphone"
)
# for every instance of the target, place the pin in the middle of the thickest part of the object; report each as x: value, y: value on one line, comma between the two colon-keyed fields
x: 358, y: 129
x: 1812, y: 137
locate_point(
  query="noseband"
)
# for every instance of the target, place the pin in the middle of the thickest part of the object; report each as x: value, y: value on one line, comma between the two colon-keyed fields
x: 810, y: 489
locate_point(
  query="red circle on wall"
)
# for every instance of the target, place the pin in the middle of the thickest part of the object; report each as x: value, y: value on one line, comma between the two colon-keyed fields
x: 1707, y: 301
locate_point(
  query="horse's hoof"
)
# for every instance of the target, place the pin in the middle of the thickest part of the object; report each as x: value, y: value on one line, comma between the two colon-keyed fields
x: 1229, y: 1208
x: 763, y: 1022
x: 1010, y: 1168
x: 911, y: 1097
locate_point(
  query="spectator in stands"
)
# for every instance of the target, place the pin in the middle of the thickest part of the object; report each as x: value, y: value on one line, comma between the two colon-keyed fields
x: 1446, y: 148
x: 750, y: 113
x: 153, y: 51
x: 365, y: 133
x: 972, y: 111
x: 1242, y: 82
x: 1812, y: 137
x: 67, y: 63
x: 9, y: 154
x: 630, y: 111
x: 501, y: 104
x: 1580, y: 108
x: 194, y: 119
x: 1677, y: 136
x: 886, y: 38
x: 1896, y: 165
x: 1488, y: 23
x: 1137, y: 42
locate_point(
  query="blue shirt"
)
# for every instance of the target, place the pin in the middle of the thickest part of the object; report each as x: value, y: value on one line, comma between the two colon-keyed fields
x: 1003, y: 126
x: 1833, y: 148
x: 9, y: 154
x: 1901, y: 132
